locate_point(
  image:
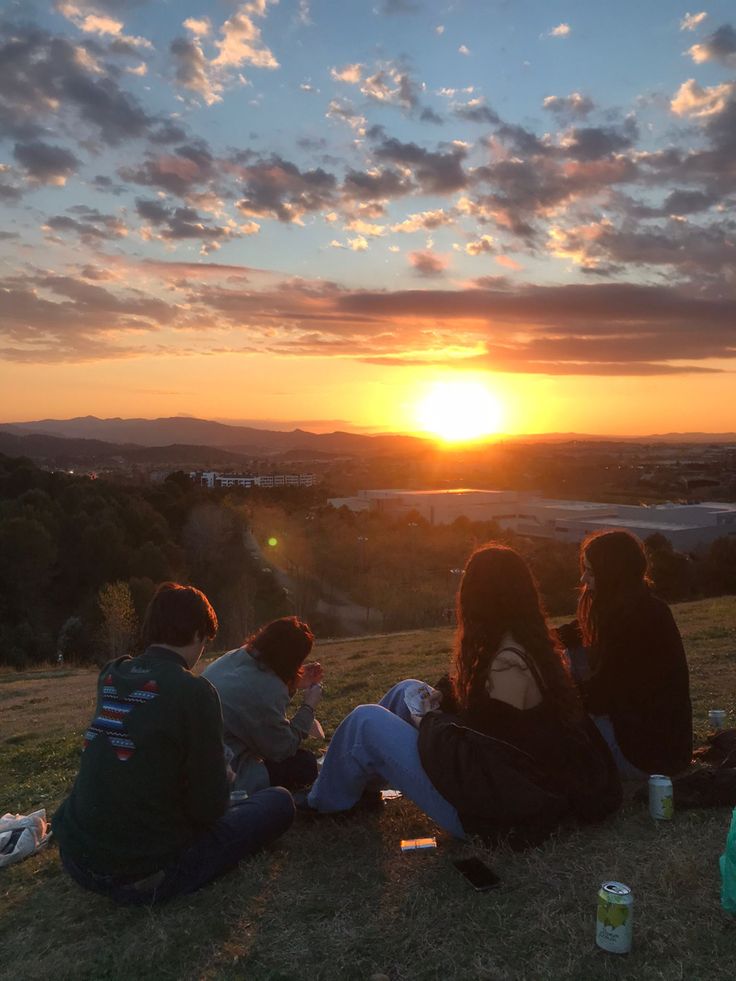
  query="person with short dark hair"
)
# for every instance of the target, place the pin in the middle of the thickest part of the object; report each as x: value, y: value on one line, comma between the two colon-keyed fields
x: 255, y: 683
x: 147, y: 818
x: 627, y: 655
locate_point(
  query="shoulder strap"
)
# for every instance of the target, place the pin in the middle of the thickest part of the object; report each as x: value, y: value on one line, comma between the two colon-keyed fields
x: 529, y: 662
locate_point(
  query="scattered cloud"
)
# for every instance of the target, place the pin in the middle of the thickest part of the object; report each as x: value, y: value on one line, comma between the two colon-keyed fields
x: 480, y: 246
x: 570, y: 106
x: 476, y: 111
x: 350, y: 74
x: 464, y: 50
x: 719, y: 46
x: 692, y: 99
x: 428, y: 265
x: 45, y: 163
x: 690, y: 21
x: 562, y: 30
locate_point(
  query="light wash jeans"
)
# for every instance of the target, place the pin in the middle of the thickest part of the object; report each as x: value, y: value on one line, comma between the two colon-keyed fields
x: 376, y: 745
x: 577, y: 659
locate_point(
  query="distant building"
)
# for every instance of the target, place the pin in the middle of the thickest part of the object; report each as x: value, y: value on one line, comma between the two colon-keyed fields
x: 213, y: 478
x: 685, y: 525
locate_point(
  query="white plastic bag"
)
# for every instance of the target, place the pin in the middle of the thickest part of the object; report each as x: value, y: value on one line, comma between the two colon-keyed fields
x: 22, y: 835
x: 421, y: 698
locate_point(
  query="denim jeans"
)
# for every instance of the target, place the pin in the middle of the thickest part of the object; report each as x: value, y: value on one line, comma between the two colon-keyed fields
x: 377, y: 745
x: 242, y: 830
x: 296, y: 773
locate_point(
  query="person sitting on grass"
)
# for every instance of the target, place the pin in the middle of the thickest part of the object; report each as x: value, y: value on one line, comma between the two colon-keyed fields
x: 626, y: 653
x: 255, y: 683
x: 147, y: 818
x: 515, y: 755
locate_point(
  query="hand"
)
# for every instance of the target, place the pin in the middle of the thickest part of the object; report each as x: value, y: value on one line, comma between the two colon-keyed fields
x: 312, y: 674
x: 230, y: 773
x: 317, y: 732
x: 312, y: 695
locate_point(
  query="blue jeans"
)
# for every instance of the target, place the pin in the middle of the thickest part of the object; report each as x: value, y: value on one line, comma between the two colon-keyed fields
x: 377, y: 744
x: 242, y: 830
x: 577, y: 659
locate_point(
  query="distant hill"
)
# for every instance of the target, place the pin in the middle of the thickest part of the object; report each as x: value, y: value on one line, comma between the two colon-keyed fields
x: 201, y: 432
x: 64, y: 453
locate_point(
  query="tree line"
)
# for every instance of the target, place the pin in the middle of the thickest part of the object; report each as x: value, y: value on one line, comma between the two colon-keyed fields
x: 80, y: 559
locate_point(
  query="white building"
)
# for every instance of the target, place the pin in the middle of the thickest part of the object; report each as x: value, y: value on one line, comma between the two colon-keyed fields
x: 212, y: 478
x: 686, y: 525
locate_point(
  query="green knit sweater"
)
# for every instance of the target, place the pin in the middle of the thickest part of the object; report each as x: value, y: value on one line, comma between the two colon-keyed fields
x: 152, y: 773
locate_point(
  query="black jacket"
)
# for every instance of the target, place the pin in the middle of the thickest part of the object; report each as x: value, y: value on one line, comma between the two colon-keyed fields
x: 500, y: 791
x: 641, y: 682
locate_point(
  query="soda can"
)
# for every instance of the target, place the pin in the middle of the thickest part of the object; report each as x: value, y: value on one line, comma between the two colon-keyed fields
x: 615, y: 919
x: 661, y: 801
x: 717, y: 718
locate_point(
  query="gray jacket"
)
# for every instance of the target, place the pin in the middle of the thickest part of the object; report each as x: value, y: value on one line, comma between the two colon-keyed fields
x: 254, y: 701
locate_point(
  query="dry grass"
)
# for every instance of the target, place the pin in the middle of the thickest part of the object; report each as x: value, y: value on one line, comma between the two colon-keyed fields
x: 337, y: 900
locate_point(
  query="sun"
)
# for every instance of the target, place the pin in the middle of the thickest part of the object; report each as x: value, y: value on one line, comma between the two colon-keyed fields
x: 459, y: 410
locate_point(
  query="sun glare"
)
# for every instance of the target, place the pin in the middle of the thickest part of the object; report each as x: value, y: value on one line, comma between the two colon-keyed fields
x: 458, y: 411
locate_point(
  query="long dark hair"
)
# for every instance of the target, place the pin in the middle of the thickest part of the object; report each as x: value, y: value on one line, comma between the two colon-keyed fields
x: 498, y: 594
x: 283, y: 645
x: 619, y: 565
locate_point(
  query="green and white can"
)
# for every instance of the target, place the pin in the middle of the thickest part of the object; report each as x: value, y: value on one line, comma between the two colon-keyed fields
x: 615, y: 919
x: 661, y: 801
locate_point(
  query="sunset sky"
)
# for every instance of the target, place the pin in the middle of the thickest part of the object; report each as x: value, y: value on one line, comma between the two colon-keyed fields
x: 314, y: 212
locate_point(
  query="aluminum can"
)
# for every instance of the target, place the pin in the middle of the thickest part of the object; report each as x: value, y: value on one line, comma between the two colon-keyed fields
x: 717, y: 718
x: 615, y: 919
x: 661, y: 801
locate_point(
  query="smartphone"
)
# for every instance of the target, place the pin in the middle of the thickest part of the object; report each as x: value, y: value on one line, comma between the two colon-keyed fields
x: 479, y: 875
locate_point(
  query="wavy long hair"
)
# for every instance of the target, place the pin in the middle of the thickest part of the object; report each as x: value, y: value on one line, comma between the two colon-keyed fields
x: 620, y: 571
x: 498, y: 595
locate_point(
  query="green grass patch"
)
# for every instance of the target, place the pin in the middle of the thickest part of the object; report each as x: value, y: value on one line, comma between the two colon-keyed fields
x: 336, y: 899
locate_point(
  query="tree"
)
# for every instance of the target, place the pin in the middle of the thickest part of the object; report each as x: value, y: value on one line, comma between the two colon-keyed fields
x: 119, y: 622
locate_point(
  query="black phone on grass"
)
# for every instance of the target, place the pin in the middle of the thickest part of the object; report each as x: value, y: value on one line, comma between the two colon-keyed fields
x: 480, y: 876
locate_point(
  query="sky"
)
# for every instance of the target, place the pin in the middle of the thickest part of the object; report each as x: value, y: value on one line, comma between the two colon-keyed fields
x: 316, y: 212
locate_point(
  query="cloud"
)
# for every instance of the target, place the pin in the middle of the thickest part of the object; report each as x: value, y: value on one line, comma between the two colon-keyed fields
x: 719, y: 46
x: 424, y: 221
x: 176, y: 224
x: 464, y: 50
x: 392, y: 86
x: 375, y: 185
x: 690, y: 21
x: 603, y: 329
x: 476, y: 111
x: 562, y: 30
x: 596, y: 142
x: 89, y: 225
x: 198, y: 26
x: 428, y: 265
x: 692, y: 99
x: 241, y: 42
x: 178, y: 173
x: 345, y: 111
x: 437, y: 172
x: 350, y: 74
x: 191, y: 70
x: 480, y: 246
x: 45, y: 163
x: 276, y: 188
x: 43, y: 76
x: 571, y: 105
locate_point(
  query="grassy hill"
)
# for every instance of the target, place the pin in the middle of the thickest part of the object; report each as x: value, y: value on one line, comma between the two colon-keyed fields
x: 335, y: 899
